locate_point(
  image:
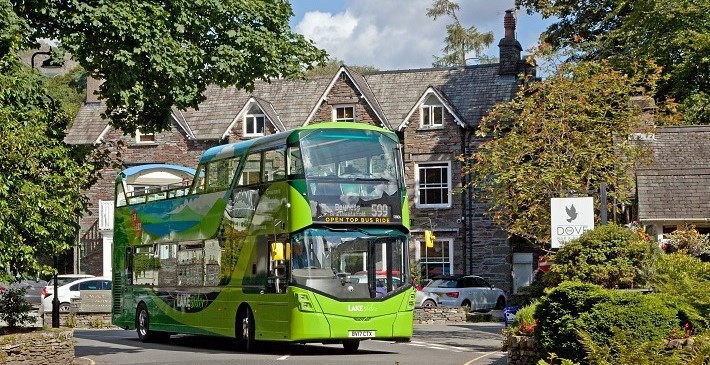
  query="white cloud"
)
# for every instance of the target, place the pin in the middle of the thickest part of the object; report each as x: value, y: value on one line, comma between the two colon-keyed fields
x: 397, y: 34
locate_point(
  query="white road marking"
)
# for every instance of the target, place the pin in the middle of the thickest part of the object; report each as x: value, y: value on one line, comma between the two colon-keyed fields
x: 283, y: 357
x: 480, y: 357
x: 435, y: 346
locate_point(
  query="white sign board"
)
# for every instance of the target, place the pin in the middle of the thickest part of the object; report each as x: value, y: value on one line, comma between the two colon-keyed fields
x: 570, y: 217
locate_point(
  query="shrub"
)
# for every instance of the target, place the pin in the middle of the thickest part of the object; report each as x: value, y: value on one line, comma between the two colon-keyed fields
x: 14, y: 308
x: 610, y: 256
x: 556, y: 313
x: 685, y: 276
x: 577, y: 319
x: 687, y: 239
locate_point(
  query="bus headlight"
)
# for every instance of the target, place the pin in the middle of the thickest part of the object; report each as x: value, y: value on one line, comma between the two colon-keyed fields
x: 304, y: 303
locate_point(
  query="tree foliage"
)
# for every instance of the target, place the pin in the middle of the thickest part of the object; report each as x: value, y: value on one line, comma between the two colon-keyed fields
x: 569, y: 132
x: 459, y: 40
x: 41, y: 176
x: 674, y: 33
x: 153, y: 55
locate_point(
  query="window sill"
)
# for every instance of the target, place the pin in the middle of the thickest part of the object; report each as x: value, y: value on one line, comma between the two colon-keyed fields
x: 435, y: 128
x: 432, y: 206
x: 144, y: 144
x: 253, y: 135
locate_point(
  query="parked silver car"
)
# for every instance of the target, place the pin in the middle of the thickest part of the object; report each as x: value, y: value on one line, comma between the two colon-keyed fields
x: 473, y: 292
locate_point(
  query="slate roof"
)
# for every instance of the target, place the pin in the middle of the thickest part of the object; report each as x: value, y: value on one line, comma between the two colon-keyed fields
x: 87, y: 125
x: 470, y: 90
x: 676, y: 186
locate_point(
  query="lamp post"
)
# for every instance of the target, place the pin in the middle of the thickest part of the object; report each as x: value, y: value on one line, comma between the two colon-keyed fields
x: 50, y: 62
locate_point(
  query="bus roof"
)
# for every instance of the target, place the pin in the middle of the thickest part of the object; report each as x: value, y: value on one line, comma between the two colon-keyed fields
x: 154, y: 166
x: 238, y: 148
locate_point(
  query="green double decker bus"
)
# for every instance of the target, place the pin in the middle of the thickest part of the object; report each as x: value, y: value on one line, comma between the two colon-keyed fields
x: 299, y: 236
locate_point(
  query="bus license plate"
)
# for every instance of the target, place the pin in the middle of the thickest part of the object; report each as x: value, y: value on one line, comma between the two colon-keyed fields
x: 361, y: 333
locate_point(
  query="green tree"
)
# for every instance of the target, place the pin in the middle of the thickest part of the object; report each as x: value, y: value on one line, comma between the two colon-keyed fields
x: 674, y: 33
x: 459, y: 40
x: 569, y: 132
x: 41, y: 175
x: 155, y: 55
x: 332, y: 66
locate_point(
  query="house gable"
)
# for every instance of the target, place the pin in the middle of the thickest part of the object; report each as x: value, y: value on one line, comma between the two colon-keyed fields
x: 429, y: 94
x: 237, y: 129
x: 346, y: 89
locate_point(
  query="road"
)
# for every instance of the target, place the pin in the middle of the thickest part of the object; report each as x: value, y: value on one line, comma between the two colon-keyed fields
x: 457, y: 344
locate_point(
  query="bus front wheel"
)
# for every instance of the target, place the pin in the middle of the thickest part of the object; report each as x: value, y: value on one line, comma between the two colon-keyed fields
x: 143, y: 326
x: 245, y: 327
x: 351, y: 345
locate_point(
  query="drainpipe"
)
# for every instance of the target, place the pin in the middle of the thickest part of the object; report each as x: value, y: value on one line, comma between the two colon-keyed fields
x: 467, y: 206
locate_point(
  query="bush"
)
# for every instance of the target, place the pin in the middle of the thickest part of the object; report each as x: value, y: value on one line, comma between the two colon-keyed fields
x: 685, y: 276
x: 556, y: 329
x: 576, y: 319
x: 14, y: 308
x: 687, y: 239
x: 610, y: 256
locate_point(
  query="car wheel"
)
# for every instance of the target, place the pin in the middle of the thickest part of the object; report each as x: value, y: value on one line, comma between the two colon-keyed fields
x: 351, y: 345
x: 500, y: 303
x: 145, y: 334
x: 466, y: 305
x: 245, y: 328
x: 429, y: 303
x: 64, y: 307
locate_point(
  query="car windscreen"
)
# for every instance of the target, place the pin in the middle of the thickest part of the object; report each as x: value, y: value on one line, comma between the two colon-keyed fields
x: 444, y: 283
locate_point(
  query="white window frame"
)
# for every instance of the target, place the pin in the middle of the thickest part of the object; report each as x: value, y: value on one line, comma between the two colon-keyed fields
x: 140, y: 134
x: 343, y: 106
x: 446, y: 240
x: 418, y: 184
x: 429, y: 110
x: 254, y: 124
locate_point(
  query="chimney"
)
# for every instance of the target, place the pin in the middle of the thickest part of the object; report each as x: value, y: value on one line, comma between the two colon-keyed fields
x: 509, y: 47
x: 92, y: 85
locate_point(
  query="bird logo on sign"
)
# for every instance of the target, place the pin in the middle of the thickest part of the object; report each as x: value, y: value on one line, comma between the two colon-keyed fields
x: 571, y: 212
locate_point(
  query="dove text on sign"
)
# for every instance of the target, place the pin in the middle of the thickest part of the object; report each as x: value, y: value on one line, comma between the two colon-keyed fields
x: 570, y: 218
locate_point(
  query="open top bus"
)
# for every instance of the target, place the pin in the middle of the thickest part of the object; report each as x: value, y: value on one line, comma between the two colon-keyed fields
x: 300, y: 236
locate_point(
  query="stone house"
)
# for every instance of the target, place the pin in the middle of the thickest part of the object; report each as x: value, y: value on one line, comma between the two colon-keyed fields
x: 434, y: 111
x: 675, y: 188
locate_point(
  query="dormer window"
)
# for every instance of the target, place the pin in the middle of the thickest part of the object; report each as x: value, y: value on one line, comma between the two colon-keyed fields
x: 432, y: 113
x: 254, y: 123
x: 144, y: 137
x: 344, y: 113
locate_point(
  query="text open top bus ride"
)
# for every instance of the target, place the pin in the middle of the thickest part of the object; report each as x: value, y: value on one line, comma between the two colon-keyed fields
x: 298, y: 236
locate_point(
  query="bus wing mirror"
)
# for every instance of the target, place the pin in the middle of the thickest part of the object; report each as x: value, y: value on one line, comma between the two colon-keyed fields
x: 277, y: 251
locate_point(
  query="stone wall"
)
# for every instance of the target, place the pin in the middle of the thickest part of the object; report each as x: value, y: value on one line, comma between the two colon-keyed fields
x: 522, y: 350
x: 439, y: 315
x: 50, y: 347
x: 80, y: 320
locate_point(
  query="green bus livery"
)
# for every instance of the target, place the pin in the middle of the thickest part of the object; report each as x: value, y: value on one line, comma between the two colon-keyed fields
x: 299, y: 236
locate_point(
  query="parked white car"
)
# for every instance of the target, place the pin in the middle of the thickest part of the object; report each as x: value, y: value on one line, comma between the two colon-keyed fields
x: 426, y: 299
x: 70, y: 291
x: 469, y: 291
x: 62, y: 279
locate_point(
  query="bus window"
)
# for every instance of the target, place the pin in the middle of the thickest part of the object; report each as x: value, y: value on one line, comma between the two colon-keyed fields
x: 219, y: 174
x: 145, y: 266
x: 295, y: 162
x: 120, y: 196
x: 198, y: 185
x: 274, y: 165
x: 250, y: 172
x: 190, y: 263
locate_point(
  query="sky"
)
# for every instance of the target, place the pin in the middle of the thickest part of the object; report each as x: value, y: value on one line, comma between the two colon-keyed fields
x: 397, y: 34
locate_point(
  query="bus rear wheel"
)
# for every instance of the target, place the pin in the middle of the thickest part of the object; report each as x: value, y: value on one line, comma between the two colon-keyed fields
x: 244, y: 329
x: 145, y: 334
x: 351, y: 345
